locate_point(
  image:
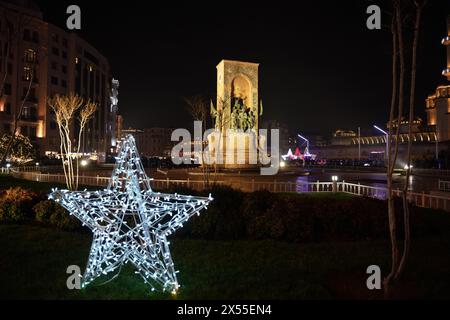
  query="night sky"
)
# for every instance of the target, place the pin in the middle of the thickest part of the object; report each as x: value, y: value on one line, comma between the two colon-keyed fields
x: 321, y: 68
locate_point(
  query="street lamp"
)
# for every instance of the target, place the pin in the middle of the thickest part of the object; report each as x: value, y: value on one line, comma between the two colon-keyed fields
x: 335, y: 183
x: 306, y: 140
x: 387, y: 142
x: 307, y: 148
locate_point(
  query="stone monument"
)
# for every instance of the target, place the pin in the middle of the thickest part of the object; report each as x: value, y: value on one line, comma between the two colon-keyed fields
x: 235, y: 143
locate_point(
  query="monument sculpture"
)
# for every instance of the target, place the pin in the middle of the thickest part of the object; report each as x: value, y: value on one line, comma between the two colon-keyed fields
x: 236, y: 142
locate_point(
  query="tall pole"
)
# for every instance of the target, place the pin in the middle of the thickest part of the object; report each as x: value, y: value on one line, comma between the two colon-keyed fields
x: 387, y: 151
x: 307, y: 147
x: 386, y: 155
x: 437, y: 144
x: 359, y: 143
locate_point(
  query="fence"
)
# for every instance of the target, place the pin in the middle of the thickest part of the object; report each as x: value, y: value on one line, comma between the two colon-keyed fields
x: 419, y: 199
x: 444, y: 185
x: 431, y: 172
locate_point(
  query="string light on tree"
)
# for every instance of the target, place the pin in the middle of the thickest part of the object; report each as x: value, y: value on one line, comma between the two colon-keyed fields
x: 130, y: 222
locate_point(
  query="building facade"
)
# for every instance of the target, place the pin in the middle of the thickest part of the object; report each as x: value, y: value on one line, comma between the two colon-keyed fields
x: 438, y: 104
x: 49, y: 60
x: 428, y: 138
x: 152, y: 142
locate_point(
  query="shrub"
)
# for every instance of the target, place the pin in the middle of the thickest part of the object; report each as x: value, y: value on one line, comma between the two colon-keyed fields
x: 223, y: 220
x: 44, y: 210
x: 15, y: 205
x: 51, y: 213
x: 304, y: 218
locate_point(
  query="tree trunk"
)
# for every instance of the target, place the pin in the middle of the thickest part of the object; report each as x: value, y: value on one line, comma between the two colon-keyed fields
x: 391, y: 161
x: 406, y: 213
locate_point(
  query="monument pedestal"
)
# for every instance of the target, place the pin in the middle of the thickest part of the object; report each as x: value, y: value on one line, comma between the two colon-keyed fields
x: 235, y: 150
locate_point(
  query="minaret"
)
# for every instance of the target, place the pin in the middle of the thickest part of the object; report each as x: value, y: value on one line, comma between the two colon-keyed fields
x: 446, y: 42
x: 438, y: 104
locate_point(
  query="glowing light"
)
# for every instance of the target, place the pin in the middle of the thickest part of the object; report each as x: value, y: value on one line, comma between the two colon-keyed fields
x: 282, y: 164
x: 130, y: 222
x: 40, y: 130
x: 334, y: 178
x: 381, y: 130
x: 288, y: 156
x: 84, y: 163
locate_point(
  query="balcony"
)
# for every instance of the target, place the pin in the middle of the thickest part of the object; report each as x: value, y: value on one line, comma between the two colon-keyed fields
x: 29, y: 118
x: 32, y: 99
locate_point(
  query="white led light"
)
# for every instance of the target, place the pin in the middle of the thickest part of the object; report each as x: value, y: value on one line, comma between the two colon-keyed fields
x: 130, y: 222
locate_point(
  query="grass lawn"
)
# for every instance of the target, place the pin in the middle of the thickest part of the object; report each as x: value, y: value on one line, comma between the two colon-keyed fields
x: 33, y: 262
x: 34, y: 259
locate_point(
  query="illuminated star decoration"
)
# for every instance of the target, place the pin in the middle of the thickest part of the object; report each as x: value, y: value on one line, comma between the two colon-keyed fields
x: 130, y: 222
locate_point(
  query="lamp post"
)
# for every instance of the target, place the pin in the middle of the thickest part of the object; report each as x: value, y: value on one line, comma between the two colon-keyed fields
x: 307, y: 148
x: 437, y: 145
x: 359, y: 145
x: 306, y: 140
x: 387, y: 143
x: 335, y: 179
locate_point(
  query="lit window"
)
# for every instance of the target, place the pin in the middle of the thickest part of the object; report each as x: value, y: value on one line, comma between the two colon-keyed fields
x: 30, y: 56
x: 27, y: 73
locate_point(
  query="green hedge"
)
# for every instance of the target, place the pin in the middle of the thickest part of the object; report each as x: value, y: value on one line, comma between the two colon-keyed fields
x: 51, y: 213
x: 15, y: 205
x: 234, y: 215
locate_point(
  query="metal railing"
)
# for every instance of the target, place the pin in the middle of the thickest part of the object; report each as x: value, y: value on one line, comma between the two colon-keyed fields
x: 419, y: 199
x: 431, y: 172
x: 444, y: 185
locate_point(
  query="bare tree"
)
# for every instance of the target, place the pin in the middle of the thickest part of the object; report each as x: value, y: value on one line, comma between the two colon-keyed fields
x: 86, y: 114
x: 197, y: 106
x: 391, y: 158
x: 66, y: 109
x: 419, y: 5
x: 222, y: 121
x: 398, y: 75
